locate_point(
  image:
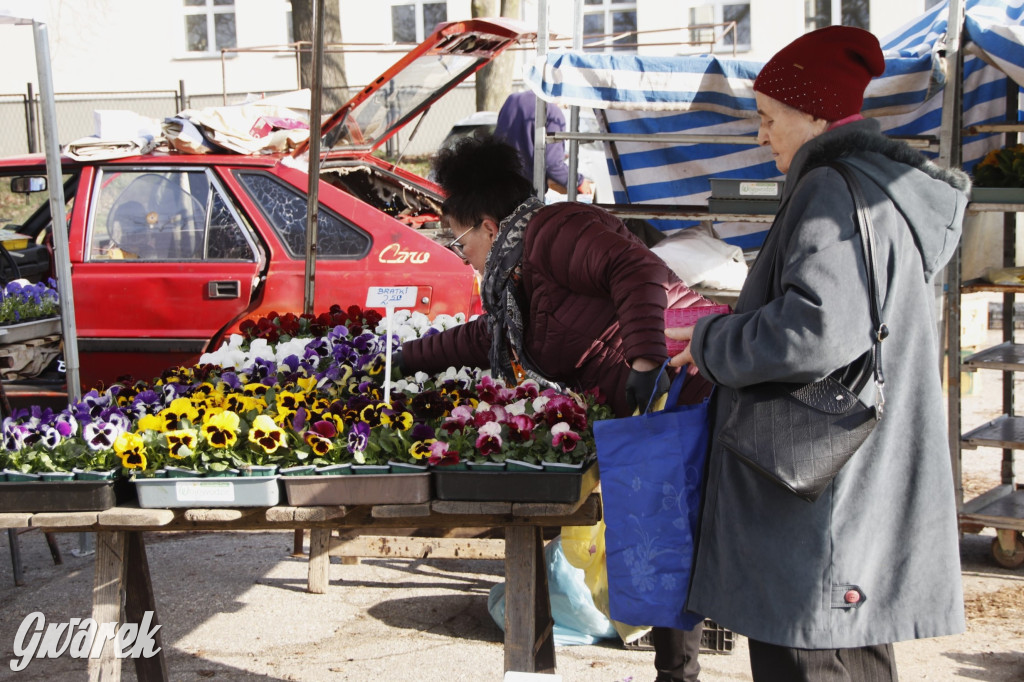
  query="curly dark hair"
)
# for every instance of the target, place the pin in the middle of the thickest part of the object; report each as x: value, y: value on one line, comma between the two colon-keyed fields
x: 482, y: 177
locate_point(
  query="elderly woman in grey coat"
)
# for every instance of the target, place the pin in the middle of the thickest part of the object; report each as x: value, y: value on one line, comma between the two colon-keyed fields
x: 822, y: 589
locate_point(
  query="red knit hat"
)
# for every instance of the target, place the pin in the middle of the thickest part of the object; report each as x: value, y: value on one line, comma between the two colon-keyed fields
x: 824, y: 72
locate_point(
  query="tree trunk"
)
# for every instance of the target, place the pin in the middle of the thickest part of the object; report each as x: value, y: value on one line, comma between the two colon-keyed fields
x: 494, y: 81
x: 332, y: 80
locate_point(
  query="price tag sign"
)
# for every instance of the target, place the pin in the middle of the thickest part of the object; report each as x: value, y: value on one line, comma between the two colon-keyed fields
x: 391, y: 297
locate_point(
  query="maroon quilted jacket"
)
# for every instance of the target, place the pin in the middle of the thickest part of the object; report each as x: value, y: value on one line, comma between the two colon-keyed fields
x: 596, y: 297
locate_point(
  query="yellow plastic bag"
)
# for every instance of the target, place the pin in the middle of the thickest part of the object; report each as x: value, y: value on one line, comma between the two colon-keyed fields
x: 584, y: 549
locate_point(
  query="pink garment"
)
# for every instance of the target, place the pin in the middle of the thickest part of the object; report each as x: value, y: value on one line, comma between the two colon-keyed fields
x: 844, y: 121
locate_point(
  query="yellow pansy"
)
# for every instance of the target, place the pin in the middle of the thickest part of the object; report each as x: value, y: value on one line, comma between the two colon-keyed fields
x: 182, y: 439
x: 266, y: 434
x: 221, y: 430
x: 131, y: 449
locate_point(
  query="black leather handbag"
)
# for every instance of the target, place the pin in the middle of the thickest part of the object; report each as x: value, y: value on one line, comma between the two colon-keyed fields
x: 800, y: 436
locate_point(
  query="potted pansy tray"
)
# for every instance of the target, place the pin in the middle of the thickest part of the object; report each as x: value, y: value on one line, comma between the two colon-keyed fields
x: 203, y: 492
x: 33, y: 493
x: 567, y: 486
x: 298, y: 409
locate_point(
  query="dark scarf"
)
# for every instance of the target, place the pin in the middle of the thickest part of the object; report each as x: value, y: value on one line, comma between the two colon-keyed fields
x: 502, y: 276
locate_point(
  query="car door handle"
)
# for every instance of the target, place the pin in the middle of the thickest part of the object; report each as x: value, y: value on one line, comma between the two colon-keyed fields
x: 230, y: 288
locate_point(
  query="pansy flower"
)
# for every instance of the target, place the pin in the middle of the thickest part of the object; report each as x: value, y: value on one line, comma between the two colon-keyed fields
x: 266, y: 434
x: 318, y: 444
x: 372, y: 414
x: 430, y: 404
x: 458, y: 419
x: 182, y: 442
x: 520, y: 428
x: 358, y: 437
x: 180, y: 409
x: 396, y: 419
x: 131, y: 449
x: 240, y: 403
x: 151, y: 423
x: 442, y: 454
x: 14, y: 436
x: 562, y: 436
x: 255, y: 389
x: 100, y: 435
x: 488, y: 442
x: 221, y: 429
x: 49, y: 437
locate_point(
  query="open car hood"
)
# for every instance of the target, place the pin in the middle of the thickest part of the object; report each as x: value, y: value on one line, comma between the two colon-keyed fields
x: 450, y: 55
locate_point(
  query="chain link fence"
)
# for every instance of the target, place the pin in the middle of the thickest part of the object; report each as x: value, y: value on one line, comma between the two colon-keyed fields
x: 21, y: 121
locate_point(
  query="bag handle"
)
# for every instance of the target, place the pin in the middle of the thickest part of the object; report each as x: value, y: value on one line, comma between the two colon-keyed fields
x: 867, y: 239
x: 673, y: 391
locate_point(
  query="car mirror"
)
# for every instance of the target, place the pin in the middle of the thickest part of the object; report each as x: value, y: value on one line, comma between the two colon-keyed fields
x: 26, y: 184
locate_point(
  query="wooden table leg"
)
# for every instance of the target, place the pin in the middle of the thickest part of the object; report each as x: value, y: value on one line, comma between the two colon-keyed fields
x: 319, y: 560
x: 15, y: 543
x: 138, y: 602
x: 111, y: 548
x: 529, y: 640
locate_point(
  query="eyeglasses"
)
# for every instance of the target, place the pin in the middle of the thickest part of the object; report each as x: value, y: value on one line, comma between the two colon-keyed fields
x: 455, y: 246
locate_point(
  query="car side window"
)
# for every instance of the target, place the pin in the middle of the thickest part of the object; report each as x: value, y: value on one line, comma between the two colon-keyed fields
x: 164, y: 215
x: 284, y: 207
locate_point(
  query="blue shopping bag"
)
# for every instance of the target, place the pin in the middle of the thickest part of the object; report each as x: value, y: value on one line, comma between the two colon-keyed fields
x: 652, y: 471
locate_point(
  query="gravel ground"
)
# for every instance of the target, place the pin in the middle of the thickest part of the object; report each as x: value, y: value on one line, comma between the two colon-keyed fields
x: 234, y: 607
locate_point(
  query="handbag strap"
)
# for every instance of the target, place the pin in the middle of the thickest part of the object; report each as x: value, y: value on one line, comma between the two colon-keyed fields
x: 673, y: 391
x: 867, y: 239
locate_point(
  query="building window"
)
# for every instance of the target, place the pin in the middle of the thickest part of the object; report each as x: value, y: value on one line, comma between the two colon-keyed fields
x: 609, y: 25
x: 822, y: 13
x: 209, y: 25
x: 413, y: 22
x: 710, y: 24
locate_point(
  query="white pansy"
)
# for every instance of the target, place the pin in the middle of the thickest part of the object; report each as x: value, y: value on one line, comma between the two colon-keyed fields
x: 490, y: 429
x: 560, y: 427
x: 539, y: 402
x: 421, y: 377
x: 516, y: 408
x: 296, y: 347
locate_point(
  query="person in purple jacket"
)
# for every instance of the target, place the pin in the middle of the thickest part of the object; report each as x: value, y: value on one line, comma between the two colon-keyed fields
x: 571, y: 297
x: 516, y: 124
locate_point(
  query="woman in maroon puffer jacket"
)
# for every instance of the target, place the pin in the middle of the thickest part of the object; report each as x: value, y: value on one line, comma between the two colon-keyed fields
x: 570, y: 296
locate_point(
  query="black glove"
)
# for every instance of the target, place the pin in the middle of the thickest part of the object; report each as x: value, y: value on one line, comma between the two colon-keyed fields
x: 643, y: 388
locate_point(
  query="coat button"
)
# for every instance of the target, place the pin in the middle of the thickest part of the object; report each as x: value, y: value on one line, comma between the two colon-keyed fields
x: 852, y: 596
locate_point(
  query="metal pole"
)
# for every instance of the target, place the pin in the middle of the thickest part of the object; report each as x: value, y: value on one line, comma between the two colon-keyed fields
x: 540, y: 184
x: 60, y: 234
x: 181, y: 96
x: 950, y: 155
x: 313, y: 194
x: 574, y: 110
x: 31, y: 125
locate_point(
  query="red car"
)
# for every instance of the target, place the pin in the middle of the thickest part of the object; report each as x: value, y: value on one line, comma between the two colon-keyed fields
x: 169, y: 251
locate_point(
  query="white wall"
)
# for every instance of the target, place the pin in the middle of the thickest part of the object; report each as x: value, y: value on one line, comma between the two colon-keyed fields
x: 100, y: 45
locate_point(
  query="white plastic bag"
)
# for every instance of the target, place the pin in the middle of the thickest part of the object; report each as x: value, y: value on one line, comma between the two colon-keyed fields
x: 699, y: 258
x: 577, y: 620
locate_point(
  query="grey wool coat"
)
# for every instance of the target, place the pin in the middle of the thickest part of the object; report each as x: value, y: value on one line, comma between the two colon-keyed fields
x: 876, y: 558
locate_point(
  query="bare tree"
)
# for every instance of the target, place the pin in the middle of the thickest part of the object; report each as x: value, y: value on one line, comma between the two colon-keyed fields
x: 332, y: 80
x: 494, y: 81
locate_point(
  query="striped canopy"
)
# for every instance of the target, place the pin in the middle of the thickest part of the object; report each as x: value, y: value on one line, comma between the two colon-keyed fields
x: 710, y: 95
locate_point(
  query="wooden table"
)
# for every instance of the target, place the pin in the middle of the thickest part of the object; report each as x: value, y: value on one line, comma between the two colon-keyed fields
x: 122, y: 567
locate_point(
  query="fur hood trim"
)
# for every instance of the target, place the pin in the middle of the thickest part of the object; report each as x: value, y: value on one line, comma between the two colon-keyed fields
x: 834, y: 147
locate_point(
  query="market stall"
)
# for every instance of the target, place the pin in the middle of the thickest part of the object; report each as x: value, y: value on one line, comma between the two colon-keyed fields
x: 673, y: 123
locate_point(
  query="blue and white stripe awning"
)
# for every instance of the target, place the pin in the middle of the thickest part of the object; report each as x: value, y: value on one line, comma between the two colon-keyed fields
x: 710, y: 95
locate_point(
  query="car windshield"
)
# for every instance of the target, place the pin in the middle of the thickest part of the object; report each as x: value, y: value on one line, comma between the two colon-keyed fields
x: 414, y: 83
x: 405, y: 94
